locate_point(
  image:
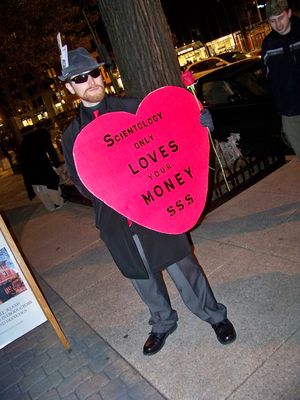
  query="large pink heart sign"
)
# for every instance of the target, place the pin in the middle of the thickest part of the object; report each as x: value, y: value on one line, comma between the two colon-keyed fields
x: 152, y: 166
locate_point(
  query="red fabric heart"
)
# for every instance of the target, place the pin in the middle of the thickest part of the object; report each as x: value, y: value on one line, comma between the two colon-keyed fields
x: 151, y: 167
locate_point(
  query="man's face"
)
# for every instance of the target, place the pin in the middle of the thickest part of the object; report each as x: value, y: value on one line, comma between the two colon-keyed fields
x: 281, y: 23
x: 91, y: 92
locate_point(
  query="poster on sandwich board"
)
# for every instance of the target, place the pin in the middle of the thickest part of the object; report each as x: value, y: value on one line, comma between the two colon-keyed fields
x: 22, y: 304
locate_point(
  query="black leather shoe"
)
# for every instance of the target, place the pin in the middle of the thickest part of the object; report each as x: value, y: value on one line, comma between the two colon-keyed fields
x: 225, y: 331
x: 155, y: 341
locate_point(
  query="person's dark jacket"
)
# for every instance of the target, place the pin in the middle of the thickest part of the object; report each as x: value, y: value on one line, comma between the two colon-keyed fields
x: 37, y: 159
x: 281, y: 56
x: 160, y: 249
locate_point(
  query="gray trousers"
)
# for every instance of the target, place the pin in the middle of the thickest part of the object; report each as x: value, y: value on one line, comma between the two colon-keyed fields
x: 192, y: 286
x: 291, y: 127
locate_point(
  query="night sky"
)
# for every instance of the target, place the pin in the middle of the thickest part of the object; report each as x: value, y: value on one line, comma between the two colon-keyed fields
x: 201, y: 19
x: 208, y: 19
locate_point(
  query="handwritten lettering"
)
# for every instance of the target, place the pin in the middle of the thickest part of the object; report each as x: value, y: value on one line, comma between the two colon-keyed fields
x: 153, y: 157
x: 111, y: 140
x: 170, y: 184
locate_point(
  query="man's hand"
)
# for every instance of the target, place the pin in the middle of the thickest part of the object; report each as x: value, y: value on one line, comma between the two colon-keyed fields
x: 206, y: 119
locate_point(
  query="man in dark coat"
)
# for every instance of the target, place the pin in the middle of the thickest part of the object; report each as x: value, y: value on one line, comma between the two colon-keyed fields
x: 140, y: 253
x: 281, y: 56
x: 38, y: 157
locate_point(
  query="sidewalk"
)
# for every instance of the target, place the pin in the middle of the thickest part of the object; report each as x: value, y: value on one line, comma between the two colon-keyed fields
x: 250, y: 250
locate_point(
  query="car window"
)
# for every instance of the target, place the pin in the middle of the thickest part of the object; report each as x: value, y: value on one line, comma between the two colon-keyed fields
x: 214, y: 63
x: 202, y: 66
x: 216, y: 92
x: 198, y: 67
x: 252, y: 84
x: 232, y: 57
x: 206, y: 64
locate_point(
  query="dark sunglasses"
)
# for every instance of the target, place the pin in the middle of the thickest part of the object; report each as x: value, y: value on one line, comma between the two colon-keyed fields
x: 95, y: 73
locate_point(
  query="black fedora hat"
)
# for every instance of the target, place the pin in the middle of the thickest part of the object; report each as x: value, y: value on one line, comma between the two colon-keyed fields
x: 80, y: 61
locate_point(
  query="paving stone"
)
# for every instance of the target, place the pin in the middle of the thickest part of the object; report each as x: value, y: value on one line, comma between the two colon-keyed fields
x: 95, y: 397
x: 16, y: 347
x: 114, y: 390
x: 32, y: 335
x: 23, y: 396
x: 99, y: 363
x: 93, y: 339
x: 56, y: 362
x: 46, y: 334
x: 70, y: 397
x: 81, y: 331
x: 49, y: 341
x: 141, y: 390
x: 5, y: 370
x: 22, y: 359
x: 156, y: 396
x: 5, y: 358
x: 51, y: 395
x: 91, y: 386
x: 38, y: 361
x: 71, y: 366
x: 10, y: 380
x: 70, y: 321
x: 69, y: 385
x: 116, y: 368
x: 12, y: 393
x: 97, y: 348
x: 52, y: 381
x: 29, y: 380
x: 77, y: 348
x: 130, y: 377
x: 55, y: 349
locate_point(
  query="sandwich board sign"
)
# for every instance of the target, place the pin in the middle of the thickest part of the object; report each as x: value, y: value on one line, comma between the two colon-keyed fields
x: 22, y: 304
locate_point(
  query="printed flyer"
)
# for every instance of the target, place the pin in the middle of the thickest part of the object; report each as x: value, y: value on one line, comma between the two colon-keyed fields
x: 19, y: 310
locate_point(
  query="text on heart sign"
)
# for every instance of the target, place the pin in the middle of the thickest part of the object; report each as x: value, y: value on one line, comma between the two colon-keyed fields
x: 110, y: 140
x: 152, y: 166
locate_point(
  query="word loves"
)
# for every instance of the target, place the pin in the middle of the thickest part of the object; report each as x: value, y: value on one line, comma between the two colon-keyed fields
x: 152, y: 166
x: 110, y: 139
x: 153, y: 157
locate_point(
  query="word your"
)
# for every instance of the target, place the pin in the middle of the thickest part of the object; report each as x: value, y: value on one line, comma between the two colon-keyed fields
x: 110, y: 140
x: 162, y: 170
x: 168, y: 185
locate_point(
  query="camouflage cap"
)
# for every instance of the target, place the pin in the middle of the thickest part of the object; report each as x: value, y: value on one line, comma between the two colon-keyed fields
x: 276, y: 7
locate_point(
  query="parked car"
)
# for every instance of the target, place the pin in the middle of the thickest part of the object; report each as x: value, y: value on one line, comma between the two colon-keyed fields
x: 254, y: 53
x: 200, y: 68
x: 233, y: 56
x: 239, y: 101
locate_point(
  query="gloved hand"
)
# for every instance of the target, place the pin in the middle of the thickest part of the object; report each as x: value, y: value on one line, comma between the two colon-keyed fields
x: 206, y: 119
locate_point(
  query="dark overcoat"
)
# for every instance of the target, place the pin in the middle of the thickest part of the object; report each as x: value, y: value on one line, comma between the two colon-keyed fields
x: 37, y: 158
x: 281, y: 56
x: 160, y: 249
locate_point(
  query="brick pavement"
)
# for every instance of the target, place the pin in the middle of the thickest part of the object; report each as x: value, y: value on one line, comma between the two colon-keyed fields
x: 36, y: 366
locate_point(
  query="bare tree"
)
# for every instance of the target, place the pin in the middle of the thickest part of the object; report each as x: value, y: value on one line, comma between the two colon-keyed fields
x: 142, y: 44
x: 28, y: 45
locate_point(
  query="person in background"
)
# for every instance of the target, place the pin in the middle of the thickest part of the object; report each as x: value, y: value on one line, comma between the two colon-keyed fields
x: 140, y: 253
x: 38, y: 160
x: 281, y: 57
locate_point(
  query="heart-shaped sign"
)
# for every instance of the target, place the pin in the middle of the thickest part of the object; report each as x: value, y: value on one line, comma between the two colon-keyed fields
x: 151, y: 167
